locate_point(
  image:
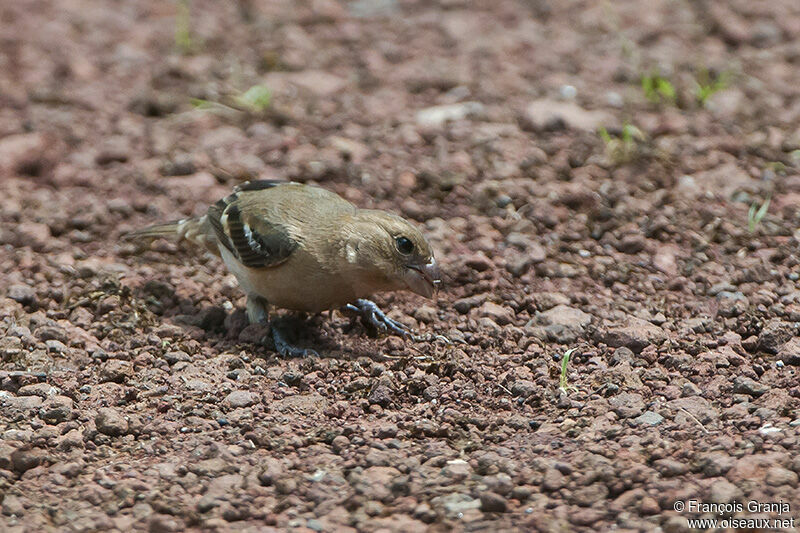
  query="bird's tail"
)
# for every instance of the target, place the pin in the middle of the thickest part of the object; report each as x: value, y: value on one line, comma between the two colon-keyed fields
x: 167, y: 230
x: 194, y: 230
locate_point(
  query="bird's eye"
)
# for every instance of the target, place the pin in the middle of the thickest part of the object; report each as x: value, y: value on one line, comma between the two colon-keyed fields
x: 404, y: 245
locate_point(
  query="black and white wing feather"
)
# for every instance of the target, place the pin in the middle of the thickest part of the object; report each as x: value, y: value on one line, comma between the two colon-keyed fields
x: 255, y: 241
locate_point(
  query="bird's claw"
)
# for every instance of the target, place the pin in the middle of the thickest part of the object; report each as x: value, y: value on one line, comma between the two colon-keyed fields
x: 286, y: 349
x: 372, y: 315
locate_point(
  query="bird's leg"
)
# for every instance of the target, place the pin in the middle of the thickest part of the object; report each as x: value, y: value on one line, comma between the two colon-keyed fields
x: 285, y: 348
x: 257, y: 312
x: 372, y: 315
x: 257, y: 309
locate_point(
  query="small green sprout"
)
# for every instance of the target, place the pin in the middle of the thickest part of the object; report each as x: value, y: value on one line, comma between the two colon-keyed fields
x: 624, y: 147
x: 256, y: 99
x: 708, y: 84
x: 562, y: 382
x: 200, y: 103
x: 755, y: 214
x: 183, y: 28
x: 253, y: 101
x: 778, y: 167
x: 658, y: 89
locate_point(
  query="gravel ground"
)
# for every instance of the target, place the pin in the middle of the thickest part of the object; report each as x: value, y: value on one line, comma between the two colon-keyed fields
x: 134, y: 397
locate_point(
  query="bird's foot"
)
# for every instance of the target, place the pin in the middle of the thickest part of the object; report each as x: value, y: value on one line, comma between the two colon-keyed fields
x: 285, y: 348
x: 257, y: 312
x: 372, y: 315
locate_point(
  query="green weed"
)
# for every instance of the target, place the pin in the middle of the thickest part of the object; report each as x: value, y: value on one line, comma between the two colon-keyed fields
x: 624, y: 147
x: 562, y: 381
x: 708, y: 84
x: 755, y: 214
x: 256, y: 99
x: 184, y: 40
x: 658, y: 89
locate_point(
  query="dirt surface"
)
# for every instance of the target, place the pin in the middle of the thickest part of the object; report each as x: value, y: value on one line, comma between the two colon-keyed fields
x: 158, y: 409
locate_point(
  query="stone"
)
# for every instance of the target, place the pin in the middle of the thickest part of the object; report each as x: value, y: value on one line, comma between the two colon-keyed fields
x: 775, y: 334
x: 789, y: 352
x: 697, y: 407
x: 631, y: 244
x: 723, y: 491
x: 437, y: 116
x: 318, y: 82
x: 547, y: 114
x: 649, y: 506
x: 553, y: 480
x: 523, y: 388
x: 749, y: 386
x: 21, y: 403
x: 635, y: 334
x: 22, y: 294
x: 456, y: 502
x: 670, y: 467
x: 492, y: 502
x: 425, y: 314
x: 12, y: 506
x: 464, y: 305
x: 24, y: 459
x: 778, y: 476
x: 589, y: 495
x: 664, y: 259
x: 648, y: 418
x: 716, y: 464
x: 115, y: 371
x: 498, y: 313
x: 457, y: 469
x: 22, y: 153
x: 241, y: 398
x: 111, y: 422
x: 627, y: 404
x: 563, y: 324
x: 46, y: 333
x: 54, y: 346
x: 163, y: 523
x: 382, y: 394
x: 500, y: 483
x: 56, y: 410
x: 339, y: 443
x: 42, y: 390
x: 478, y: 262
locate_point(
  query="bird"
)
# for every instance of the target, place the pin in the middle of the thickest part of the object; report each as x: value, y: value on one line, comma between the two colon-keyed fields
x: 304, y: 248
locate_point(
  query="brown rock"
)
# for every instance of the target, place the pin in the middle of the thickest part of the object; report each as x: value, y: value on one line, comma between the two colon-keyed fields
x: 778, y: 476
x: 627, y: 404
x: 553, y: 480
x: 635, y: 334
x: 115, y: 371
x: 492, y: 502
x: 548, y: 114
x: 22, y: 153
x: 24, y: 459
x: 241, y: 398
x: 111, y: 422
x: 789, y: 352
x: 499, y: 313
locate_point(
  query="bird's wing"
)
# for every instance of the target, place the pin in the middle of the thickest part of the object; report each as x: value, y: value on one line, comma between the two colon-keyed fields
x: 247, y: 232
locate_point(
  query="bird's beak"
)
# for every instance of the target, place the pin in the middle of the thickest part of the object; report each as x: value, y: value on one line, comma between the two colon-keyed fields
x: 423, y: 279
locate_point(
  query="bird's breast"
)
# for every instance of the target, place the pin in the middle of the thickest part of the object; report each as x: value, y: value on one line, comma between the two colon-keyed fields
x: 300, y: 283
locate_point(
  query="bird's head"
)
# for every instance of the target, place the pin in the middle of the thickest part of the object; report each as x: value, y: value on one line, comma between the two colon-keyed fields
x: 393, y: 253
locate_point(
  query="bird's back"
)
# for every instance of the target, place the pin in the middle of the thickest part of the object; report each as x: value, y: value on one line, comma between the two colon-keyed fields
x: 298, y: 207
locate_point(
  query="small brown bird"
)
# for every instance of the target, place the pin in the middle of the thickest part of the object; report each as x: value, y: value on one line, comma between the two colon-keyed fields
x: 304, y: 248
